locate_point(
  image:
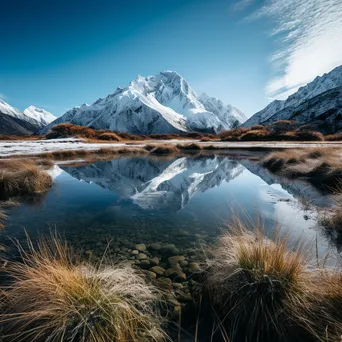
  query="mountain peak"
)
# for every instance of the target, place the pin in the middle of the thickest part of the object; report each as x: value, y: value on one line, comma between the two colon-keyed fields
x: 163, y: 103
x: 42, y: 116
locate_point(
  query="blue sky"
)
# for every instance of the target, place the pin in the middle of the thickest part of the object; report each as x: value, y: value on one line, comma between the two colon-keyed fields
x: 58, y: 54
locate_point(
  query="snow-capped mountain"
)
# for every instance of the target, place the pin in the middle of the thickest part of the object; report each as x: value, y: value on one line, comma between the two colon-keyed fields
x: 40, y: 115
x: 7, y: 109
x: 164, y: 103
x: 306, y: 104
x: 15, y: 122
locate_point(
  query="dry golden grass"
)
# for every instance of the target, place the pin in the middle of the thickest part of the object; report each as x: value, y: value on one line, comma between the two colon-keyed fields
x: 333, y: 137
x: 322, y: 165
x: 332, y: 220
x: 22, y: 176
x: 263, y: 289
x: 257, y: 286
x: 189, y: 147
x: 109, y: 136
x: 4, y: 205
x: 20, y: 137
x: 162, y: 149
x: 52, y: 298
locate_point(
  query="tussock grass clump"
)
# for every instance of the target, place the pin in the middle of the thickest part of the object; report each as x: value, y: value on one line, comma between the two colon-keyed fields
x: 23, y: 176
x: 321, y: 166
x: 53, y: 298
x: 332, y: 220
x: 257, y: 286
x: 164, y: 149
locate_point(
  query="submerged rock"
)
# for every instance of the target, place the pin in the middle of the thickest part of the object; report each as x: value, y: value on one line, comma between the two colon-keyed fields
x: 141, y: 256
x: 176, y: 259
x: 158, y: 270
x: 140, y: 247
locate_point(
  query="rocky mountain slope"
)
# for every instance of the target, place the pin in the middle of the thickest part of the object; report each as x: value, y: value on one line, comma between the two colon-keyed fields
x: 319, y: 100
x: 164, y: 103
x: 15, y: 122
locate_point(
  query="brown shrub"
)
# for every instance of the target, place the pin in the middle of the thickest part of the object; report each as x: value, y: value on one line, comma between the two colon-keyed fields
x: 204, y: 139
x: 189, y: 147
x: 255, y: 135
x: 232, y: 134
x: 258, y: 128
x: 308, y: 136
x: 333, y: 137
x: 66, y: 130
x: 109, y: 136
x: 282, y: 126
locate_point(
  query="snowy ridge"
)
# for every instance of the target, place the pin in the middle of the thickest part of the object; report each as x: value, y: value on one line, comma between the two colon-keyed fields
x: 42, y: 116
x: 164, y: 103
x: 13, y: 121
x: 319, y: 85
x: 7, y: 109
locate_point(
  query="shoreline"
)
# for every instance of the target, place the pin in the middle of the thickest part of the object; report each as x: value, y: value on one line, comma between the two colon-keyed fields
x: 32, y: 148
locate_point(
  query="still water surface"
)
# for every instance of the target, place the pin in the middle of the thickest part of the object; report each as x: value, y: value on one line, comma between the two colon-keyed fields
x: 184, y: 201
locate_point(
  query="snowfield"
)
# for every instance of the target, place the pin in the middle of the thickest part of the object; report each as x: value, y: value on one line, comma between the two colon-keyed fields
x: 24, y: 147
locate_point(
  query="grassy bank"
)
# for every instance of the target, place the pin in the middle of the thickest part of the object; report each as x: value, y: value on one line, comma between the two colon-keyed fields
x: 321, y: 166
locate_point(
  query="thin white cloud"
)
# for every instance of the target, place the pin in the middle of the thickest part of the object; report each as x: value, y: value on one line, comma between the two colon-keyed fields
x: 240, y: 5
x: 309, y: 35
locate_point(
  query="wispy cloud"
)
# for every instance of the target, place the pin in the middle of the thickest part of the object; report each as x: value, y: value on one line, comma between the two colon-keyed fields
x: 240, y: 5
x: 309, y: 36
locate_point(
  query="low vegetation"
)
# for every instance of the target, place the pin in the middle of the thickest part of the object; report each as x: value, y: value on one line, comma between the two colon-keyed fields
x: 321, y: 166
x: 282, y: 130
x: 4, y: 206
x: 332, y: 220
x: 22, y: 177
x: 54, y: 298
x: 189, y: 147
x: 162, y: 149
x: 262, y: 290
x: 66, y: 130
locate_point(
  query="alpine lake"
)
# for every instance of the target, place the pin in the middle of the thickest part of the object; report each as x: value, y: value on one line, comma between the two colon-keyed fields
x: 151, y: 210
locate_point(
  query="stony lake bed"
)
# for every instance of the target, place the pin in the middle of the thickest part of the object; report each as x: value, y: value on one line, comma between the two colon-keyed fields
x: 163, y: 214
